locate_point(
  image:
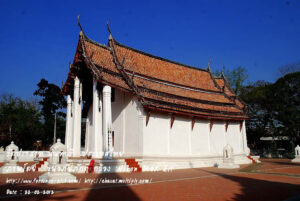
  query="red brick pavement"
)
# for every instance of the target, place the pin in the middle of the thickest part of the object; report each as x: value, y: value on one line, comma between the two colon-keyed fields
x: 192, y: 184
x: 277, y: 163
x: 288, y: 170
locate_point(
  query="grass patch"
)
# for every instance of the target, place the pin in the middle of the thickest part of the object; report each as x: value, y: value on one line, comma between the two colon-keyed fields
x: 251, y: 168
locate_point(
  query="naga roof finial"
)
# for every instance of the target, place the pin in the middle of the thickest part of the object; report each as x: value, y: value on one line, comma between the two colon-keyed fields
x: 78, y: 21
x: 108, y: 29
x: 223, y: 71
x: 208, y: 65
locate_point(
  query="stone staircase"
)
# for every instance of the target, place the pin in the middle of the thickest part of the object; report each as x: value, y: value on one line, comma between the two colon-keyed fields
x: 133, y: 165
x: 42, y: 164
x: 252, y: 159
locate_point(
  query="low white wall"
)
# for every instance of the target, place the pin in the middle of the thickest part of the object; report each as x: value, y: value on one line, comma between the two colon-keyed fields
x: 25, y: 156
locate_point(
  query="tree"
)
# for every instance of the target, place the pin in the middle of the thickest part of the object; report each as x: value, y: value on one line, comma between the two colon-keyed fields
x: 286, y: 104
x: 289, y: 68
x: 52, y: 103
x: 236, y: 78
x: 260, y: 112
x: 19, y: 121
x: 273, y: 109
x: 52, y: 99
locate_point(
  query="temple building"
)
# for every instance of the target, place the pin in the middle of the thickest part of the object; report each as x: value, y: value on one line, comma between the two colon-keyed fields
x: 150, y: 108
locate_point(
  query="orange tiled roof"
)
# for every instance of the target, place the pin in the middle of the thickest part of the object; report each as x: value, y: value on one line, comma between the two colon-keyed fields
x: 162, y: 84
x: 223, y: 83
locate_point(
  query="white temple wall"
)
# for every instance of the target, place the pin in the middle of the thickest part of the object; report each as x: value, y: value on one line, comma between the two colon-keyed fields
x: 118, y: 118
x: 217, y: 138
x: 159, y: 139
x: 179, y: 136
x: 155, y: 135
x: 200, y: 138
x: 233, y: 137
x: 131, y: 142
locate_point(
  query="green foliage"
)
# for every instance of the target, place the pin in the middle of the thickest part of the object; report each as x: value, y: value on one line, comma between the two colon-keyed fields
x: 273, y: 109
x: 286, y: 104
x: 19, y: 121
x: 259, y: 111
x: 52, y: 101
x: 289, y: 68
x: 235, y: 77
x: 24, y: 122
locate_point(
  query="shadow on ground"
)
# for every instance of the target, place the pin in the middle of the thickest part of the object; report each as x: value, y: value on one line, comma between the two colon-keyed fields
x: 82, y: 191
x: 111, y: 192
x: 260, y: 189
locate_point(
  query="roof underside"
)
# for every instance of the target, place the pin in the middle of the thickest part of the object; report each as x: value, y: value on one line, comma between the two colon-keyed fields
x: 161, y: 84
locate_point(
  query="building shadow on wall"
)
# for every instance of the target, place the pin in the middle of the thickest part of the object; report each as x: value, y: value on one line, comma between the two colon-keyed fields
x: 259, y: 189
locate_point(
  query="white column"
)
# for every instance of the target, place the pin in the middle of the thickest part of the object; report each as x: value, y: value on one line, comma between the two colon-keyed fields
x: 69, y: 125
x: 225, y: 134
x: 190, y: 140
x: 141, y: 124
x: 77, y: 117
x: 97, y: 122
x: 241, y: 139
x: 168, y: 137
x: 90, y: 138
x: 107, y: 119
x: 209, y: 138
x: 245, y: 138
x: 87, y: 135
x: 123, y: 113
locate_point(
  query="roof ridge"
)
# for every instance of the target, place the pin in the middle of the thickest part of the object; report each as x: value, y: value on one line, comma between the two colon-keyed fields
x: 158, y: 57
x: 227, y: 83
x: 95, y: 42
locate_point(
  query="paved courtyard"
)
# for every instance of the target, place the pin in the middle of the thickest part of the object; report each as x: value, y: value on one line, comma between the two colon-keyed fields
x: 273, y: 179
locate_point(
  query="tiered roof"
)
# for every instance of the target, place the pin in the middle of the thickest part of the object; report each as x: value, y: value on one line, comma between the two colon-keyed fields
x: 158, y: 83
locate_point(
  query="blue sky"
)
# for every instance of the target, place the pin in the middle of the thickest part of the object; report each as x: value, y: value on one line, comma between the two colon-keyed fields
x: 38, y: 38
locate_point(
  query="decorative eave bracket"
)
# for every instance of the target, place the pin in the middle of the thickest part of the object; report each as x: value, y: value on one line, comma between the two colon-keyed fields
x: 148, y: 117
x: 241, y: 126
x: 226, y: 125
x: 193, y: 122
x: 172, y: 120
x: 211, y: 124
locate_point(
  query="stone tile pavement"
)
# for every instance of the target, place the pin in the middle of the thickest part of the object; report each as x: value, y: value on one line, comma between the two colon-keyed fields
x: 275, y: 179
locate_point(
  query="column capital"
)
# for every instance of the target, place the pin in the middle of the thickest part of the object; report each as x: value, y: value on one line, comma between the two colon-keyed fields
x: 140, y: 108
x: 107, y: 89
x: 69, y: 99
x: 76, y: 82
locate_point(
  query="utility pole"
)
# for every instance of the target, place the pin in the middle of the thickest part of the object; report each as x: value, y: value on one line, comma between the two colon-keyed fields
x: 54, y: 137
